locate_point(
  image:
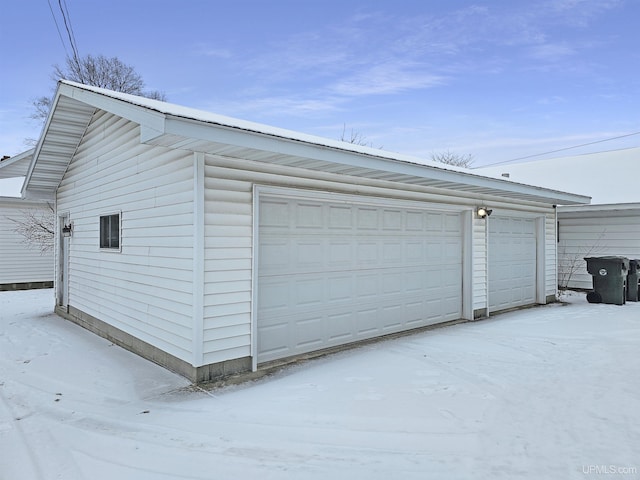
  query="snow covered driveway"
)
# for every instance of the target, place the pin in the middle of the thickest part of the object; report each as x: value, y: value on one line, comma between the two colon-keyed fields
x: 547, y: 393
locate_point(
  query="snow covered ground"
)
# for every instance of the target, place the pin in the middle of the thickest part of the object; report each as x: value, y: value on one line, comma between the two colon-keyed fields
x: 546, y: 393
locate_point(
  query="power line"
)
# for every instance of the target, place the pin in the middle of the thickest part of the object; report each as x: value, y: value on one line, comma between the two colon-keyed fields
x: 58, y: 28
x: 72, y: 40
x: 73, y: 34
x: 562, y: 149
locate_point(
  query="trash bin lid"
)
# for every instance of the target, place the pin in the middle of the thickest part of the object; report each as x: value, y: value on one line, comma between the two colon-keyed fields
x: 610, y: 258
x: 611, y: 261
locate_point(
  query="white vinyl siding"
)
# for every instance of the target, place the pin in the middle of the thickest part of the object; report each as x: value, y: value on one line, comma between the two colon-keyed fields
x: 480, y: 270
x: 228, y: 256
x: 551, y: 277
x: 147, y: 289
x: 21, y: 262
x: 598, y: 234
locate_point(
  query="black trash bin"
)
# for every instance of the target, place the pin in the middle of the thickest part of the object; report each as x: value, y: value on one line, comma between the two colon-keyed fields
x: 633, y: 280
x: 609, y: 279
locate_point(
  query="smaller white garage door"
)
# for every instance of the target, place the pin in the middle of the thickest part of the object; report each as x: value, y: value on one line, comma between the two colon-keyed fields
x: 333, y: 273
x: 512, y: 262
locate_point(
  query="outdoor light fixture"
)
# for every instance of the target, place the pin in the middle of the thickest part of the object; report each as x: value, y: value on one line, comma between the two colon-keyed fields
x: 66, y: 230
x: 483, y: 212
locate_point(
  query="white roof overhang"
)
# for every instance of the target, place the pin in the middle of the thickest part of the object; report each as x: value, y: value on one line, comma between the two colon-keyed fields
x: 62, y: 133
x: 183, y: 128
x: 16, y: 166
x: 600, y: 210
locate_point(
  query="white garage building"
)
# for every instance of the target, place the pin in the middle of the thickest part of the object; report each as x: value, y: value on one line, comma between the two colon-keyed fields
x: 212, y: 245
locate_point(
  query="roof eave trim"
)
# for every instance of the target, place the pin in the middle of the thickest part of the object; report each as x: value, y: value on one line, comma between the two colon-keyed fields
x: 155, y: 123
x: 201, y: 130
x: 36, y: 151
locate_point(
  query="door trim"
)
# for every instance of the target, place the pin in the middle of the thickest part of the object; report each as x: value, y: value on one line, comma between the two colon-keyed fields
x: 62, y: 277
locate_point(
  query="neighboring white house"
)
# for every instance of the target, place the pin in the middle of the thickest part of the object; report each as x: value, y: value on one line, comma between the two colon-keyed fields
x: 610, y: 226
x: 212, y: 245
x: 607, y: 177
x: 22, y: 265
x: 594, y: 231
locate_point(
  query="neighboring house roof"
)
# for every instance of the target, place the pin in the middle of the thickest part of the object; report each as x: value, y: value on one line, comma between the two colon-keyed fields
x: 608, y: 177
x: 16, y: 166
x: 173, y: 126
x: 603, y: 209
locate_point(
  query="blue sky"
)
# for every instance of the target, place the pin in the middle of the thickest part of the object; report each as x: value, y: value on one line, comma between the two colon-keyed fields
x: 498, y: 80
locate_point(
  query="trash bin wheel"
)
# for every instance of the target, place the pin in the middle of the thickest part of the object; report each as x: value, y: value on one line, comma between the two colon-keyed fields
x: 594, y: 297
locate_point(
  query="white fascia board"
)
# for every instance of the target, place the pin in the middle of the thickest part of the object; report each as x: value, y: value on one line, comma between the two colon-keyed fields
x: 143, y: 116
x: 38, y: 195
x: 36, y: 151
x: 602, y: 207
x: 22, y: 202
x: 287, y: 146
x: 600, y: 211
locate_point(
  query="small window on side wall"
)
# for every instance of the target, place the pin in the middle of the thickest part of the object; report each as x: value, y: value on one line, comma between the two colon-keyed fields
x: 110, y: 231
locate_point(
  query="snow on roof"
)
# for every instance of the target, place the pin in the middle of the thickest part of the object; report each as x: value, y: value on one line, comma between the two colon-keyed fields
x: 167, y: 125
x: 223, y: 120
x: 608, y: 177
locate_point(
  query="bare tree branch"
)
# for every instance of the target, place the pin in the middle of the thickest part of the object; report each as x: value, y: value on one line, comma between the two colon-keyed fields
x: 97, y: 71
x: 355, y: 138
x: 570, y: 263
x: 451, y: 158
x: 37, y: 227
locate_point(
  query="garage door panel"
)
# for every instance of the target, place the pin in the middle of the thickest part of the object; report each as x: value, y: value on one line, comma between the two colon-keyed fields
x: 434, y: 222
x: 340, y: 326
x: 367, y: 252
x: 415, y: 221
x: 340, y: 289
x: 341, y: 253
x: 308, y: 293
x: 367, y: 218
x: 308, y: 253
x: 512, y: 262
x: 391, y: 220
x: 309, y: 331
x: 340, y: 217
x: 275, y: 339
x: 275, y: 214
x: 390, y: 318
x: 365, y: 328
x: 275, y: 255
x: 275, y: 296
x: 392, y: 283
x: 308, y: 216
x: 415, y: 251
x: 391, y: 252
x: 366, y: 286
x: 353, y: 272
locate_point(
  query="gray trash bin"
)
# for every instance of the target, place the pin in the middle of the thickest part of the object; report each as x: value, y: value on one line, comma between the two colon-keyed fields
x: 633, y: 280
x: 609, y: 279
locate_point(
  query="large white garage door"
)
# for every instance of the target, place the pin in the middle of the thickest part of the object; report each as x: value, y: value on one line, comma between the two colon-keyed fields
x: 333, y: 273
x: 512, y: 262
